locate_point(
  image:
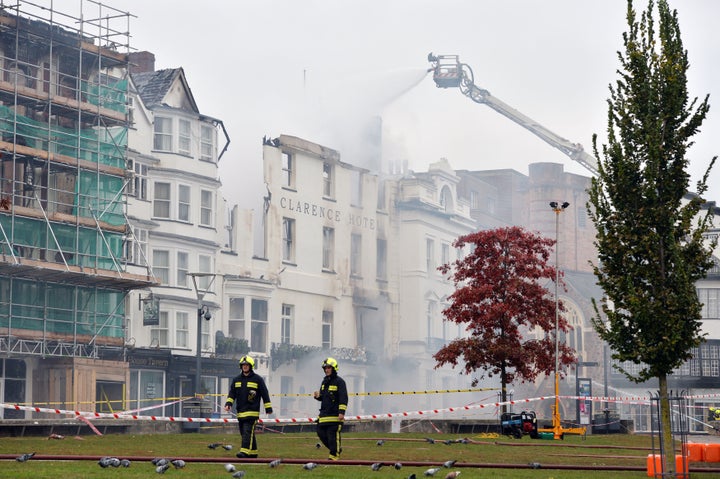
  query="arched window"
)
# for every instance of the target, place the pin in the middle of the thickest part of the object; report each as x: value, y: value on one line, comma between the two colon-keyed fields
x: 446, y: 200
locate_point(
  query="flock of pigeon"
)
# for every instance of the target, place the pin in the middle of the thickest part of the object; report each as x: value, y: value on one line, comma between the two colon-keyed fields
x: 163, y: 464
x: 428, y: 473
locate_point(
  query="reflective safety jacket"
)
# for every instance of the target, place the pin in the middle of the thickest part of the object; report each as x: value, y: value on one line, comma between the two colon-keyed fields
x: 333, y: 398
x: 245, y: 393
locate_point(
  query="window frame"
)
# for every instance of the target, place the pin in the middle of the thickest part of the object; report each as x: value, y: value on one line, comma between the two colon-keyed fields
x: 184, y: 203
x: 288, y: 240
x: 207, y: 208
x: 159, y: 202
x: 163, y: 138
x: 208, y: 142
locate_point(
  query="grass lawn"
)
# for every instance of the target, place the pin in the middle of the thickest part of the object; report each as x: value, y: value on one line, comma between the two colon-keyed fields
x: 412, y: 450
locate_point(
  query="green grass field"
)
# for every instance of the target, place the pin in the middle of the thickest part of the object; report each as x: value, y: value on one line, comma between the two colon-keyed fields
x: 592, y: 452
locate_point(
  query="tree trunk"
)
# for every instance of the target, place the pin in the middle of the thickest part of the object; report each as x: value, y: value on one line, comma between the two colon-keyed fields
x: 503, y: 388
x: 666, y: 439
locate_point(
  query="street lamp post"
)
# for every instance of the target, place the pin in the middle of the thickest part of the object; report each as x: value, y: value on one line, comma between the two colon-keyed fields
x: 557, y: 427
x: 203, y: 312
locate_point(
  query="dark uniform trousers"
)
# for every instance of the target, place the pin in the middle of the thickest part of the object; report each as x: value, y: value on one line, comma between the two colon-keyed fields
x: 329, y: 434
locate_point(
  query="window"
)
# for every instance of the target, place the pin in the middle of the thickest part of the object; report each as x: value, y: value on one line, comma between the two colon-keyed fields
x: 355, y: 255
x: 429, y: 255
x: 159, y: 333
x: 710, y: 299
x: 161, y: 265
x: 207, y: 143
x: 181, y: 329
x: 327, y: 326
x: 460, y: 253
x: 163, y: 134
x: 161, y: 203
x: 288, y: 240
x: 140, y: 180
x: 258, y: 325
x: 288, y: 169
x: 446, y: 202
x: 205, y: 265
x: 183, y: 203
x: 328, y: 258
x: 431, y: 312
x: 445, y: 253
x: 381, y: 258
x: 288, y: 311
x: 136, y: 246
x: 356, y: 179
x: 328, y: 186
x: 12, y: 386
x: 205, y: 338
x: 182, y: 269
x: 206, y: 208
x: 184, y: 136
x: 236, y: 318
x: 475, y: 200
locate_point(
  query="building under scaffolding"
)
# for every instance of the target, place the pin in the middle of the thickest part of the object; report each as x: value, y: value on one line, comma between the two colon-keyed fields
x: 63, y: 223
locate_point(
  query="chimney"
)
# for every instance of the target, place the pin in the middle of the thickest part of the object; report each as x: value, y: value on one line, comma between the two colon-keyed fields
x: 142, y: 62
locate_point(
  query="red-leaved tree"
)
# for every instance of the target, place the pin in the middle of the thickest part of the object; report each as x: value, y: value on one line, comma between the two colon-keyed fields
x: 500, y: 298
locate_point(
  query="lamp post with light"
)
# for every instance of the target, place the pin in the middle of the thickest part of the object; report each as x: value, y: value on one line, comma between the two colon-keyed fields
x: 557, y: 426
x: 203, y: 312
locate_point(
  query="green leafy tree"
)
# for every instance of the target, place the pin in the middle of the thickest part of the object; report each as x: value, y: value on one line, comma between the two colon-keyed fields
x: 649, y: 239
x: 499, y: 297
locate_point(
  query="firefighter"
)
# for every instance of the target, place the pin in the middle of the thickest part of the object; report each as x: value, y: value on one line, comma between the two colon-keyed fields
x: 246, y: 390
x: 333, y: 399
x: 714, y: 414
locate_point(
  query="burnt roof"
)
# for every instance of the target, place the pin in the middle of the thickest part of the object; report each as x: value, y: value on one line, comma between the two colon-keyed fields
x: 153, y: 86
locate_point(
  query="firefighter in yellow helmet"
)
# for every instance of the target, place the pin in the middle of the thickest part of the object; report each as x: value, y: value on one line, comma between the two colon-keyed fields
x: 246, y: 390
x: 333, y: 399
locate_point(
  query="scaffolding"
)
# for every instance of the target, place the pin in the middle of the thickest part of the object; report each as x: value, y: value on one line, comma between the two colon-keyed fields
x: 63, y: 213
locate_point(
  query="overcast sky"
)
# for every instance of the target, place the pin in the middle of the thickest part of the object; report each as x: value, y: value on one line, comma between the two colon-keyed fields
x: 320, y: 69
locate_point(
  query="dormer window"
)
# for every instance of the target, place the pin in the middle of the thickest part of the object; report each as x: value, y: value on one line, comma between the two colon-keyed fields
x: 446, y: 202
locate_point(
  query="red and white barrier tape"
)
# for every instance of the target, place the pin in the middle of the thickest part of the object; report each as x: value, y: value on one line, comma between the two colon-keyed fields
x: 122, y: 416
x: 642, y: 400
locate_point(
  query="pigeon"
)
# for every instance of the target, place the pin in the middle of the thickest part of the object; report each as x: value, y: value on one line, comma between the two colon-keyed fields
x: 431, y: 471
x: 178, y: 463
x: 103, y: 462
x: 411, y: 476
x: 397, y: 466
x: 229, y: 468
x: 376, y: 466
x: 159, y: 461
x: 125, y: 462
x: 430, y: 440
x: 214, y: 445
x: 163, y: 468
x: 275, y: 463
x: 318, y: 445
x: 238, y: 474
x: 447, y: 442
x: 227, y: 447
x: 310, y: 466
x: 464, y: 441
x: 452, y: 475
x: 449, y: 464
x: 380, y: 442
x: 114, y: 462
x: 24, y: 457
x: 535, y: 465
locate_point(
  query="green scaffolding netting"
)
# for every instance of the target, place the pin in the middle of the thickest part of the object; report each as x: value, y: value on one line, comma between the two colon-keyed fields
x: 100, y: 144
x: 76, y: 245
x: 59, y: 308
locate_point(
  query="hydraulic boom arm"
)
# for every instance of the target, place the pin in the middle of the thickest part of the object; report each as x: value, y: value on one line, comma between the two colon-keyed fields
x: 448, y: 72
